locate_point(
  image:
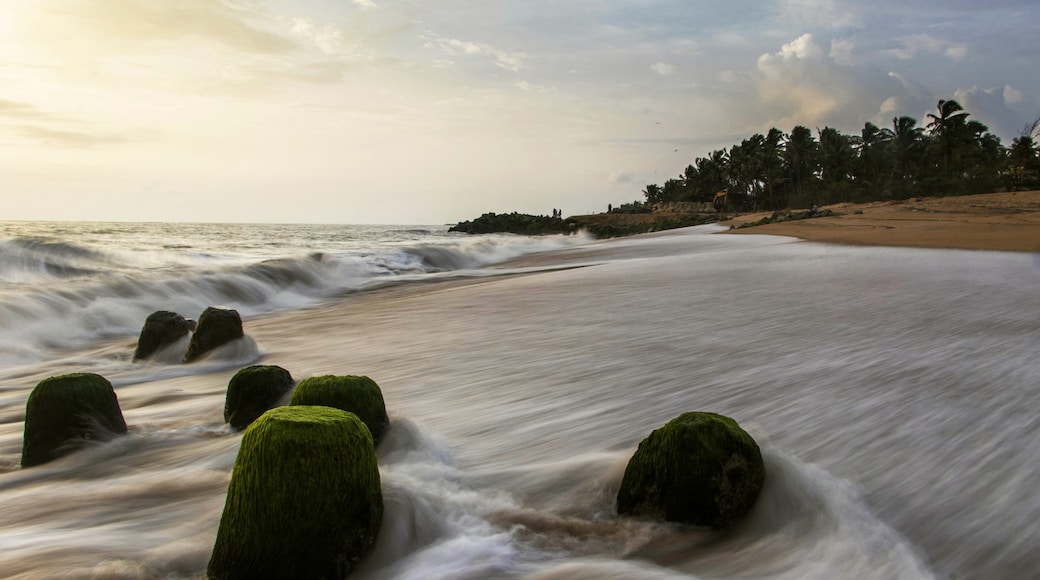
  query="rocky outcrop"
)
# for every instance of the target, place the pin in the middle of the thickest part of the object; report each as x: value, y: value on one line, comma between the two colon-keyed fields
x: 65, y: 412
x: 161, y: 329
x: 304, y: 499
x: 788, y: 216
x: 253, y: 391
x: 699, y: 468
x: 357, y: 394
x: 683, y: 207
x: 216, y: 327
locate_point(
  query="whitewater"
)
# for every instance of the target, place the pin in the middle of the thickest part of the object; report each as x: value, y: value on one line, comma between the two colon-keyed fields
x: 893, y: 392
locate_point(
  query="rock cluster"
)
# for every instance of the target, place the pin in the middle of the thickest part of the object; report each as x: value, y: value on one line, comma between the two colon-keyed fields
x: 215, y: 328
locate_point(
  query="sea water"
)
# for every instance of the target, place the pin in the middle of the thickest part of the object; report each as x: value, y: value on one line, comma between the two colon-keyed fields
x: 893, y: 392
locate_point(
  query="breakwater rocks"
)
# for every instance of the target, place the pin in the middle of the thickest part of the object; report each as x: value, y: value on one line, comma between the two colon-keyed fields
x: 65, y: 412
x: 304, y: 500
x: 788, y: 216
x: 610, y: 225
x: 699, y: 468
x: 357, y: 394
x: 216, y: 327
x: 252, y: 391
x: 162, y: 329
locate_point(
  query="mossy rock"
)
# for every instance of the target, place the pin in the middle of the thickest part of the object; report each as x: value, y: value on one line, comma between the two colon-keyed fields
x: 161, y: 329
x: 358, y: 394
x: 216, y: 327
x: 252, y: 391
x: 64, y: 412
x: 699, y: 468
x: 304, y: 499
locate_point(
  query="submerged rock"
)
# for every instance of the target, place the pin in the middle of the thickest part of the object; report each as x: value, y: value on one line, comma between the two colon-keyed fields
x: 304, y: 499
x: 161, y: 329
x: 216, y: 327
x: 252, y: 391
x: 357, y: 394
x: 699, y: 468
x: 64, y: 412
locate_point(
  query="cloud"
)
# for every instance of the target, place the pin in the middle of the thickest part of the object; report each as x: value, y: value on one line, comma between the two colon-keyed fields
x: 1012, y: 95
x: 513, y: 61
x: 918, y: 44
x: 664, y: 69
x: 66, y: 138
x: 365, y: 4
x: 990, y: 106
x: 802, y: 84
x: 842, y: 52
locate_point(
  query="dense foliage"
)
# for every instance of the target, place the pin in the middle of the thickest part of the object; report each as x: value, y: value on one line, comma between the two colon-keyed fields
x: 514, y: 223
x: 950, y: 155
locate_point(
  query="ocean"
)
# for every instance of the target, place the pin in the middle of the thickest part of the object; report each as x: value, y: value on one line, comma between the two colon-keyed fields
x: 894, y: 393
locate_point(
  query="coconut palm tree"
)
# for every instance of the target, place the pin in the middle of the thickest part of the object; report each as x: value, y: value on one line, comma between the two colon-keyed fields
x: 947, y: 128
x: 908, y: 152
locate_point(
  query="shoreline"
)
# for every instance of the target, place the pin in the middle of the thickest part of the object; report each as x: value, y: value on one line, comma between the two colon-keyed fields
x: 994, y: 221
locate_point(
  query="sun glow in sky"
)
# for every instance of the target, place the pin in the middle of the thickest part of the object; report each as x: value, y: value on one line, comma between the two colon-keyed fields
x: 411, y: 111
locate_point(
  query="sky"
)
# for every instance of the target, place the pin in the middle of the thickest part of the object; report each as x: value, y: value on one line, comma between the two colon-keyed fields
x: 436, y: 111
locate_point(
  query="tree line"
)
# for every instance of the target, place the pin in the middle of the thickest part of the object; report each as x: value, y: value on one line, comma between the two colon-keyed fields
x: 950, y: 155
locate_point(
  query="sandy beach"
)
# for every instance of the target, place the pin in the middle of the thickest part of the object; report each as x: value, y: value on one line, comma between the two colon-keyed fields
x: 995, y: 221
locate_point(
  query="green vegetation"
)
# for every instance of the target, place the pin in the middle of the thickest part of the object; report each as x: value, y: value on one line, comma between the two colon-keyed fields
x: 699, y: 468
x: 304, y: 499
x: 357, y: 394
x: 525, y: 224
x: 252, y: 391
x: 64, y: 412
x: 515, y: 223
x: 951, y: 155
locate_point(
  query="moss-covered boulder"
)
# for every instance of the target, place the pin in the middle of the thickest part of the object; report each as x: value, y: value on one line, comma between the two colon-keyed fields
x: 161, y: 329
x: 252, y: 391
x: 216, y: 327
x: 65, y: 412
x: 304, y: 499
x: 358, y: 394
x: 699, y: 468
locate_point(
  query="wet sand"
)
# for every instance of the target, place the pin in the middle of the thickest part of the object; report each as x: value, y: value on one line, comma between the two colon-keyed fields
x: 994, y: 221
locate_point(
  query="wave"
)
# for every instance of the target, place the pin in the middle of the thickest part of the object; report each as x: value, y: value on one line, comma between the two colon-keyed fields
x: 28, y: 259
x: 67, y: 296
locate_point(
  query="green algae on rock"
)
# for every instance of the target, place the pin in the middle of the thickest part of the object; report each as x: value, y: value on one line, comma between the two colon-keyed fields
x: 216, y: 327
x: 304, y: 499
x: 252, y: 391
x: 358, y: 394
x: 161, y: 329
x: 65, y: 411
x: 699, y: 468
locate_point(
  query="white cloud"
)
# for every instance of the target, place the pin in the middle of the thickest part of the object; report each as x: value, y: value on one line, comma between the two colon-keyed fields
x: 913, y: 46
x: 990, y: 106
x: 1012, y: 95
x: 513, y: 61
x: 664, y: 69
x: 365, y: 4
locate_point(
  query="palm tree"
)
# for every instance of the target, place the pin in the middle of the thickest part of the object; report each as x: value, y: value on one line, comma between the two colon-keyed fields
x: 801, y: 155
x: 948, y: 129
x: 871, y: 145
x: 908, y: 150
